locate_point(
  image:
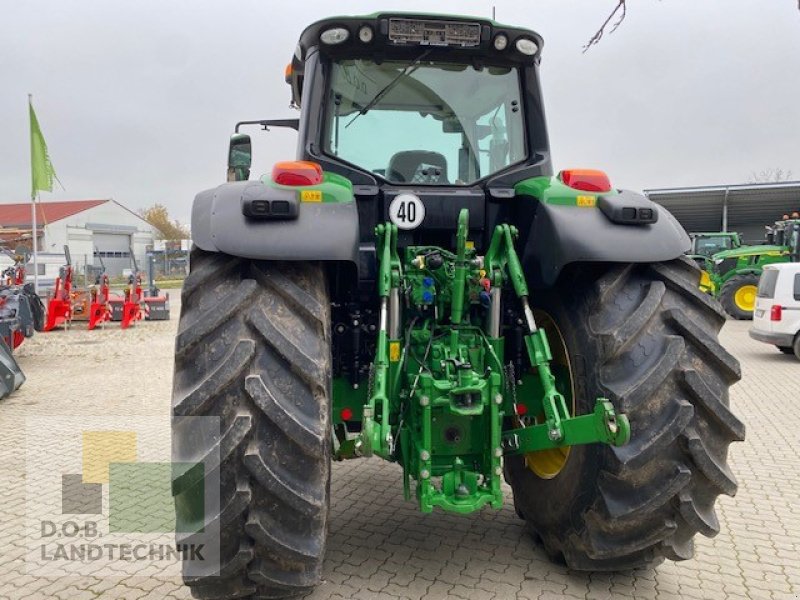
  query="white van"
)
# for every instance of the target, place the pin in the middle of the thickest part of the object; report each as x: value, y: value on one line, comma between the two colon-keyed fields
x: 776, y: 319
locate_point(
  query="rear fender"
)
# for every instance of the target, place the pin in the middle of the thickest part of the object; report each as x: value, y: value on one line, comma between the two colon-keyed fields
x: 326, y: 231
x: 570, y: 226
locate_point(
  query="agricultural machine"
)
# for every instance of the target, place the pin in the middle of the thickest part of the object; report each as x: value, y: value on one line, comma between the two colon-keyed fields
x: 132, y: 299
x: 419, y: 286
x: 733, y: 274
x: 156, y: 304
x: 705, y: 245
x: 59, y: 307
x: 21, y: 309
x: 93, y: 305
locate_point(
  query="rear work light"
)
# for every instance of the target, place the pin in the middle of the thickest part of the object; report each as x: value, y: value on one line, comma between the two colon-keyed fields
x: 297, y: 173
x: 334, y: 36
x: 586, y: 180
x: 776, y: 312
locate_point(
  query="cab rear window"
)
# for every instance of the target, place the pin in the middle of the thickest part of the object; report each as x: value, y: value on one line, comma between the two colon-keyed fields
x: 767, y: 283
x: 797, y: 287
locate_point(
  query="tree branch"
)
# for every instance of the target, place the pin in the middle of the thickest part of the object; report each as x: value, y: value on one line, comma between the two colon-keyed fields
x: 621, y: 8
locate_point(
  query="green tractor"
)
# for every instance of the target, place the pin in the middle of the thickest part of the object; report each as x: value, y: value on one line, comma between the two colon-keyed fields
x: 705, y: 245
x: 419, y: 286
x: 734, y: 273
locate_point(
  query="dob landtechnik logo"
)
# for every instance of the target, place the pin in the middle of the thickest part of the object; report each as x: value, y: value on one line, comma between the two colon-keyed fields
x: 100, y: 499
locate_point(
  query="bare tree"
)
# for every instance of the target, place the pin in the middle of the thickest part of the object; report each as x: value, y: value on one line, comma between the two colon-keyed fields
x: 771, y: 175
x: 620, y: 8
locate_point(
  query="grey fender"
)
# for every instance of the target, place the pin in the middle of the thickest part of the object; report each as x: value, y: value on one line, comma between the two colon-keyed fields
x: 561, y: 235
x: 321, y: 231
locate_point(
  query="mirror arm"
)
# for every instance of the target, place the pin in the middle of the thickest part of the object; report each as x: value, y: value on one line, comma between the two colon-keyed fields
x: 265, y: 124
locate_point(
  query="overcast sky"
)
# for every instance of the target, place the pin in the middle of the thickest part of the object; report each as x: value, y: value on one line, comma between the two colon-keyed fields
x: 137, y: 99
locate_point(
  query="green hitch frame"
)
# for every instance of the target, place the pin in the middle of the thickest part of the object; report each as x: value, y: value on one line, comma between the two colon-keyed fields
x: 466, y: 363
x: 376, y: 438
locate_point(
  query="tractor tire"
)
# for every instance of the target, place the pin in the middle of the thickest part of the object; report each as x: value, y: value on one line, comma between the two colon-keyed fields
x: 253, y: 350
x: 645, y: 337
x: 728, y: 296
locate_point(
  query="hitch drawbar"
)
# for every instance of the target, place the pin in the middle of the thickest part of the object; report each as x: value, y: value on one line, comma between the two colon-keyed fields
x: 441, y: 398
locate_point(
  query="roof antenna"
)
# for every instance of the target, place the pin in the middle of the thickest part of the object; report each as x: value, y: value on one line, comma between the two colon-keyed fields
x: 493, y: 7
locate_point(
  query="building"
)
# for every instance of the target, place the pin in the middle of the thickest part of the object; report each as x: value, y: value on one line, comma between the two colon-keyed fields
x: 745, y: 208
x: 95, y: 230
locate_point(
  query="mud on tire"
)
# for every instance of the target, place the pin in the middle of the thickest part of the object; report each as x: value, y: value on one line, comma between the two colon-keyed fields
x: 645, y: 337
x: 253, y: 349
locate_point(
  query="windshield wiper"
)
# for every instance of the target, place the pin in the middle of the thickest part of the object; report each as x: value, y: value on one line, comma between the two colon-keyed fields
x: 409, y: 68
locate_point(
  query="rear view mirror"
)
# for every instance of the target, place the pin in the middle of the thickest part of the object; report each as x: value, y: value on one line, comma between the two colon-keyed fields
x: 240, y: 157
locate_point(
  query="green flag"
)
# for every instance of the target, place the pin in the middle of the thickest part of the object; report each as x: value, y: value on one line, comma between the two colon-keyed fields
x: 42, y: 171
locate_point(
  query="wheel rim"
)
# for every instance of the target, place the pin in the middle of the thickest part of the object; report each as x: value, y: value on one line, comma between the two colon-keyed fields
x: 745, y: 298
x: 549, y: 463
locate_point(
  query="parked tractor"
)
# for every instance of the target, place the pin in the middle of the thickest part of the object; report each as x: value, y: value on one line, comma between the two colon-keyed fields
x: 419, y: 286
x: 734, y: 273
x: 708, y: 244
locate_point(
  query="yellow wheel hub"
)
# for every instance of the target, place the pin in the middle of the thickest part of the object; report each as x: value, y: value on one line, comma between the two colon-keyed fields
x: 745, y: 298
x: 549, y: 463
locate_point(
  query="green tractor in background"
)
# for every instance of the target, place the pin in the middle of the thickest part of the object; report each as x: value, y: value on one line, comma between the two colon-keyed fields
x: 419, y: 285
x: 705, y: 245
x: 733, y: 274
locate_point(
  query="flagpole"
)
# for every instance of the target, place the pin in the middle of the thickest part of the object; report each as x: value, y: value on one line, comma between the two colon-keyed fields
x: 34, y: 241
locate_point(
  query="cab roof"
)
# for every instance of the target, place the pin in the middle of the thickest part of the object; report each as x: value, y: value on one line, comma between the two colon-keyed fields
x: 379, y: 23
x: 381, y: 45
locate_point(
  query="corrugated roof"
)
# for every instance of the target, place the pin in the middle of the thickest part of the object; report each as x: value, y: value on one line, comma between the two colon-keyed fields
x: 19, y: 215
x: 750, y: 206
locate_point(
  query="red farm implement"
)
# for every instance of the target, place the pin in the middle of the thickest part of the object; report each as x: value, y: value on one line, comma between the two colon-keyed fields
x: 59, y: 308
x: 132, y: 301
x: 94, y: 304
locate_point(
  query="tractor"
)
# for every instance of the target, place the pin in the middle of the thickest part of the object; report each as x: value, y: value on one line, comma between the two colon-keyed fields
x: 417, y: 284
x: 708, y: 244
x: 733, y: 274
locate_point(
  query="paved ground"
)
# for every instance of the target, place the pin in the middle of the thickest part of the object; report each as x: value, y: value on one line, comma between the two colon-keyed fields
x: 380, y: 546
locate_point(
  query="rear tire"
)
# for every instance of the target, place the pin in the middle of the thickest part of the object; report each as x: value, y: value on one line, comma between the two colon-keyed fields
x: 645, y: 337
x: 786, y: 349
x: 253, y: 350
x: 727, y: 295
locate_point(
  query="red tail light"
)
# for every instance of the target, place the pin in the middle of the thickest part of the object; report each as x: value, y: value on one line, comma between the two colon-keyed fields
x: 776, y: 312
x: 297, y: 173
x: 586, y: 180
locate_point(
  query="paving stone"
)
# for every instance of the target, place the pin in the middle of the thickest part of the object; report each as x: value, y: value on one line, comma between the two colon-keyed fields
x: 380, y: 547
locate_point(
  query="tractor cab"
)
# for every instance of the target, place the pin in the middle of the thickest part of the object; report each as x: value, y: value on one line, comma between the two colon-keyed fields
x: 786, y: 233
x: 418, y: 117
x: 707, y: 244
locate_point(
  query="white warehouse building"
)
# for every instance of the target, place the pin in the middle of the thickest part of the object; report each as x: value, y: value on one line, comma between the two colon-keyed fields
x: 94, y: 230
